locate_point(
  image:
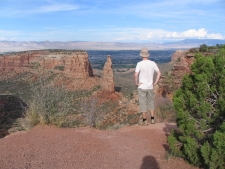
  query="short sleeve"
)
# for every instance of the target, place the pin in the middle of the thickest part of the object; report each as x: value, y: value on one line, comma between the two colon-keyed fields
x: 137, y: 69
x: 156, y: 67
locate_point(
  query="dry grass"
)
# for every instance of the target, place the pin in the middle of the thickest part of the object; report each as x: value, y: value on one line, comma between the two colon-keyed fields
x: 47, y: 104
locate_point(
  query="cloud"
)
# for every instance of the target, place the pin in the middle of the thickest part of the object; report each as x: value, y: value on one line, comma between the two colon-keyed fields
x: 139, y: 35
x: 2, y: 38
x: 26, y: 7
x: 215, y: 36
x: 161, y: 35
x: 8, y: 39
x: 193, y: 33
x: 5, y: 34
x: 57, y: 7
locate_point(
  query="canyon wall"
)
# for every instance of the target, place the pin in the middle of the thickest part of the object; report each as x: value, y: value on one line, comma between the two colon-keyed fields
x: 73, y: 68
x: 71, y: 63
x: 181, y: 60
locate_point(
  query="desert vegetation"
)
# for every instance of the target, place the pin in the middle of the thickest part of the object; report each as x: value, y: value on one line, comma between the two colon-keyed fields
x: 51, y: 104
x: 48, y: 104
x: 199, y: 105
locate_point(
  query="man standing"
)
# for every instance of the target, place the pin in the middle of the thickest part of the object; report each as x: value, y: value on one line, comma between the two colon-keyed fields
x: 144, y: 74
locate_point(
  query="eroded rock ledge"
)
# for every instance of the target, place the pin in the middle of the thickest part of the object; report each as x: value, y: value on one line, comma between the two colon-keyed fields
x: 73, y: 67
x: 72, y: 63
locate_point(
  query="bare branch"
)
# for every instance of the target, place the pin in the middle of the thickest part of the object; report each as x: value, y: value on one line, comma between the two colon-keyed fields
x: 205, y: 131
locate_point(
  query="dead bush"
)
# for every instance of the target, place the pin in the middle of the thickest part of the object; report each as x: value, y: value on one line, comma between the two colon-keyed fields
x: 48, y: 104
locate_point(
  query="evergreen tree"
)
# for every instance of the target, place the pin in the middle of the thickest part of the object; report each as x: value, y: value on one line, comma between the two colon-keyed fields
x: 203, y: 48
x: 200, y: 107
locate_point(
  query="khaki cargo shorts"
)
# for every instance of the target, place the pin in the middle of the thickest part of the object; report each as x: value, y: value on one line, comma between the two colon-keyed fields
x: 146, y: 99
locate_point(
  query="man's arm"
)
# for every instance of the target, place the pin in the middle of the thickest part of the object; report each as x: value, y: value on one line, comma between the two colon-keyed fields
x: 136, y: 78
x: 157, y: 78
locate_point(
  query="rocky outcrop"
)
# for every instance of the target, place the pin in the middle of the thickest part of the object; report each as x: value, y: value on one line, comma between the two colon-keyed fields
x: 72, y: 63
x: 181, y: 60
x: 107, y: 81
x: 71, y: 68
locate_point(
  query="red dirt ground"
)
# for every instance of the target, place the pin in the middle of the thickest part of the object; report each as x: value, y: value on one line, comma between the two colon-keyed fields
x: 49, y: 147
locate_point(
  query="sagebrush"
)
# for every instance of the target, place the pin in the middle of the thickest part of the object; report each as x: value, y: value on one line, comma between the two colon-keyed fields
x: 48, y: 104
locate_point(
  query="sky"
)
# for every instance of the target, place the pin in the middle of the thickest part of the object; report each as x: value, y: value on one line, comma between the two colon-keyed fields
x: 145, y: 21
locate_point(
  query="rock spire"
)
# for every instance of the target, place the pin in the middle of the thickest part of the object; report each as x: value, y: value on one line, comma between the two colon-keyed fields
x: 107, y: 81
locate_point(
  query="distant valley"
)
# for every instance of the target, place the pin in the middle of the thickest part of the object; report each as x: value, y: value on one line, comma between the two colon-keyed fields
x: 10, y: 46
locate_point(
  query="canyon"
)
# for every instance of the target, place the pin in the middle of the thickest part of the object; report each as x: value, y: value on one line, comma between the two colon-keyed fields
x: 73, y: 67
x: 75, y: 70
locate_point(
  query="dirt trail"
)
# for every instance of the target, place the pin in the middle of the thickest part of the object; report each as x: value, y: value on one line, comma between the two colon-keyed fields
x: 49, y: 147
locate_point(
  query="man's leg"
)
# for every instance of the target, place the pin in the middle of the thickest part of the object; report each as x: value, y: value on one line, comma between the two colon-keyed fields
x: 152, y: 116
x: 144, y: 115
x: 151, y: 106
x: 144, y: 118
x: 143, y: 106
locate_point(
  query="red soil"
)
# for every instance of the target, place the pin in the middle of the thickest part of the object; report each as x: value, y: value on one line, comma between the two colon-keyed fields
x: 49, y: 147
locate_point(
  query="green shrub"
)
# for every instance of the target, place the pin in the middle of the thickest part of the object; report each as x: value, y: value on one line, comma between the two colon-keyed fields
x: 203, y: 48
x: 214, y: 154
x: 200, y: 107
x: 194, y: 50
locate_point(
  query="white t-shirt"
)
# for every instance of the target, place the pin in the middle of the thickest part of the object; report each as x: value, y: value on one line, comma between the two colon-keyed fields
x: 146, y: 69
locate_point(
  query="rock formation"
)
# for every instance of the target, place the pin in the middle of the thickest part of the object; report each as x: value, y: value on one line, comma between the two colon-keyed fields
x: 73, y: 68
x: 74, y: 64
x: 107, y: 81
x: 181, y: 60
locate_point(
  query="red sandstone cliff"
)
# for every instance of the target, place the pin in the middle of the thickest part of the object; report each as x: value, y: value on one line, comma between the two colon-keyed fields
x: 73, y: 67
x: 72, y: 63
x: 182, y: 60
